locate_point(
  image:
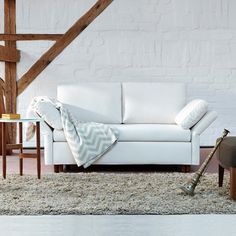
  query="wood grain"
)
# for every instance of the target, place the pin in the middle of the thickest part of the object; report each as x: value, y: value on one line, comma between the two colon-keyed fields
x: 61, y: 44
x: 2, y: 107
x: 9, y: 54
x: 29, y: 37
x: 4, y: 158
x: 14, y: 146
x: 10, y: 67
x: 2, y: 90
x: 28, y: 155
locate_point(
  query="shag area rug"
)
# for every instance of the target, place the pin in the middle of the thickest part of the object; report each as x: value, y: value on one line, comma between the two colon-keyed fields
x: 112, y: 193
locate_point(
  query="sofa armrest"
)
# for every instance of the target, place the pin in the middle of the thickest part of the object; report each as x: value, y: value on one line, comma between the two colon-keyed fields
x: 204, y: 123
x: 48, y: 148
x: 197, y: 130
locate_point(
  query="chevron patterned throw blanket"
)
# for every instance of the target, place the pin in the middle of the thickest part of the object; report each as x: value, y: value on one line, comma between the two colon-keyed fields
x: 88, y: 141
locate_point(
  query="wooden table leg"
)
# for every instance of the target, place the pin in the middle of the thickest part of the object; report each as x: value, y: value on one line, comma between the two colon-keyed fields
x: 221, y: 175
x: 21, y: 149
x: 4, y: 161
x: 38, y: 149
x: 233, y: 183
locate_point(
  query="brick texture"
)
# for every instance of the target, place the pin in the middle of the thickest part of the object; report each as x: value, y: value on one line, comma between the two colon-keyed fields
x: 190, y: 41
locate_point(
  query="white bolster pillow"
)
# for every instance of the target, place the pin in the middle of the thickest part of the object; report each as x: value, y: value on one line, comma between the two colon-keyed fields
x: 191, y: 113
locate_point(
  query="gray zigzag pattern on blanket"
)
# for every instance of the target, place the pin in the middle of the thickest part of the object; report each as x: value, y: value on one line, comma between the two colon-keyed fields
x: 95, y: 139
x: 69, y: 130
x: 86, y: 140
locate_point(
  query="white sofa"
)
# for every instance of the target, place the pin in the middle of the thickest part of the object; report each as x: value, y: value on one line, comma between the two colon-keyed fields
x: 144, y: 114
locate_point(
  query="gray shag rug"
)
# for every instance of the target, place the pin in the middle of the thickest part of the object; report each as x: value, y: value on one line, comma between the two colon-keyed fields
x: 112, y: 193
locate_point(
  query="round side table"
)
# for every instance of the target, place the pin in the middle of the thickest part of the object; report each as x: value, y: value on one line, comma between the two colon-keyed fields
x: 19, y: 145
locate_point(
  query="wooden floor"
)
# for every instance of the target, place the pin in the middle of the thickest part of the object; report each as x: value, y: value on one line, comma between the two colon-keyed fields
x: 30, y: 165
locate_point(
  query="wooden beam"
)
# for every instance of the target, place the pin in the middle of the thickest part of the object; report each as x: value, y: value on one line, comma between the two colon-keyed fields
x: 10, y: 67
x: 2, y: 91
x: 2, y: 108
x: 61, y: 44
x: 29, y: 37
x: 2, y: 86
x: 9, y: 54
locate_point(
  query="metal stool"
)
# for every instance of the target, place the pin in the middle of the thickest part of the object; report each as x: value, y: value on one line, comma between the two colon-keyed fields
x: 227, y: 160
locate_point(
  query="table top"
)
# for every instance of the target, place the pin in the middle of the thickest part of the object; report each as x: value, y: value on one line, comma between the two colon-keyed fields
x: 20, y: 120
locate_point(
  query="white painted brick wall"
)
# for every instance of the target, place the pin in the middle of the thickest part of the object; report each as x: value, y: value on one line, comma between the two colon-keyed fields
x: 191, y: 41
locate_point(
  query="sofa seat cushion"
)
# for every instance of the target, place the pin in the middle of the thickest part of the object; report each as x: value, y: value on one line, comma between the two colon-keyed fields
x: 143, y: 132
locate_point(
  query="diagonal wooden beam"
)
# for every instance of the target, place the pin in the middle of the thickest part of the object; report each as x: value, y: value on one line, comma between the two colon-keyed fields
x: 9, y: 54
x: 61, y: 44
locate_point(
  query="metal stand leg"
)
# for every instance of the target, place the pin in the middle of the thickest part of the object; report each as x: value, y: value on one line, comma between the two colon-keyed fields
x: 21, y: 149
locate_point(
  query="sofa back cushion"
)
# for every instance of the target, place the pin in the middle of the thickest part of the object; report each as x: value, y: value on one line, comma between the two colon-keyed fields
x: 152, y: 102
x: 98, y: 102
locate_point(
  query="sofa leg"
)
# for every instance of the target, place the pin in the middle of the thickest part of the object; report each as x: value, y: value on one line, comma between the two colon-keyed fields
x: 58, y: 168
x: 61, y: 168
x: 185, y: 168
